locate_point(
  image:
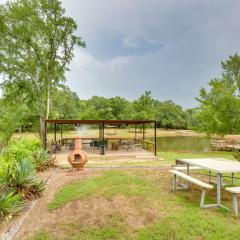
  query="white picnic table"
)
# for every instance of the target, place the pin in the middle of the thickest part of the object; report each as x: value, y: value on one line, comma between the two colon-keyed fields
x: 217, y: 165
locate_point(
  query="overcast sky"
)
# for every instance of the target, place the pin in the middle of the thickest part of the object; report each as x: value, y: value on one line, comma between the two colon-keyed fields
x: 171, y: 47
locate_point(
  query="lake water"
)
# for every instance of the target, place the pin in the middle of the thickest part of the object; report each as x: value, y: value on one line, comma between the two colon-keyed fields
x: 185, y: 144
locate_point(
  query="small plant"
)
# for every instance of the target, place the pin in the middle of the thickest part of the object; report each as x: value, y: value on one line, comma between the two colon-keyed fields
x: 236, y: 155
x: 10, y: 203
x: 24, y: 181
x: 42, y: 160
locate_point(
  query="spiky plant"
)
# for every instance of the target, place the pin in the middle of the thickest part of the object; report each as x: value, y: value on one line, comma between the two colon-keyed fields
x: 10, y: 203
x: 42, y: 160
x: 24, y: 181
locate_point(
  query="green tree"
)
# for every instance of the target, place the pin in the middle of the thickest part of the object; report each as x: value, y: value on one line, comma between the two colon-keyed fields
x: 119, y: 107
x: 36, y: 47
x: 100, y: 108
x: 192, y: 118
x: 144, y: 107
x: 170, y: 115
x: 65, y: 105
x: 220, y: 107
x: 11, y: 118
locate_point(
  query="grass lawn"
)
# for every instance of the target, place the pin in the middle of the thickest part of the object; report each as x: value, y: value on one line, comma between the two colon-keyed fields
x: 133, y: 204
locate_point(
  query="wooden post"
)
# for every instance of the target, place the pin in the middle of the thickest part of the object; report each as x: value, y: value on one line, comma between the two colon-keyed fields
x: 103, y: 139
x: 100, y: 132
x: 61, y: 131
x: 155, y: 138
x: 135, y: 132
x: 143, y: 131
x: 55, y: 132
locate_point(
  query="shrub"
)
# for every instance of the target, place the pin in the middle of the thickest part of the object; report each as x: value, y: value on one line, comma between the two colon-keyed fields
x: 17, y: 150
x: 24, y: 180
x: 10, y: 203
x: 42, y: 160
x: 236, y: 155
x: 23, y: 148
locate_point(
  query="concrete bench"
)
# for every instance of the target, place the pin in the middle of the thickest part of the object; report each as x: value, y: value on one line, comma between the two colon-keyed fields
x: 203, y: 185
x: 182, y: 168
x: 235, y: 191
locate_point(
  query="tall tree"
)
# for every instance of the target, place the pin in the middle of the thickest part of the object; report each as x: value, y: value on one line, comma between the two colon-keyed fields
x: 144, y: 106
x: 11, y: 118
x: 36, y: 46
x: 171, y: 115
x: 220, y: 107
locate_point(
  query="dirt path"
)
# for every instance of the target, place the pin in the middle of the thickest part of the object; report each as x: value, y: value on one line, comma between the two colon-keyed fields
x: 39, y: 216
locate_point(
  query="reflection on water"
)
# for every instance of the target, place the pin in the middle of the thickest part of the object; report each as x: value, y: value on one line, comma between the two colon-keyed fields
x: 188, y: 144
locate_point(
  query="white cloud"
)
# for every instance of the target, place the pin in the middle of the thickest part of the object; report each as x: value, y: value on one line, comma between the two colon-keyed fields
x: 171, y: 47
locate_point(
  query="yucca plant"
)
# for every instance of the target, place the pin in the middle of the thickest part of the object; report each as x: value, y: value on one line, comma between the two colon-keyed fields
x: 24, y: 181
x: 10, y: 203
x: 42, y: 160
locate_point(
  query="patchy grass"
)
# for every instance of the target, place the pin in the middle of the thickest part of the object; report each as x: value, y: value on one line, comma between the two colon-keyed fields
x: 41, y: 235
x: 135, y: 205
x: 107, y: 185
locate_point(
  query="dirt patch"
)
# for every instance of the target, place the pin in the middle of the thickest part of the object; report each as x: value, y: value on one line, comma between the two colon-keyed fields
x: 98, y: 211
x: 132, y: 211
x: 39, y: 216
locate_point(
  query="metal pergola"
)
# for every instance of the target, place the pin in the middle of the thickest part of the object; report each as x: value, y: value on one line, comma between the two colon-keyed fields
x: 102, y: 124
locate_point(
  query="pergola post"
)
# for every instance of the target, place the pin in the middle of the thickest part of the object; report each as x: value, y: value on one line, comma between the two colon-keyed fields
x: 61, y: 131
x: 103, y: 146
x: 100, y: 132
x: 155, y: 138
x: 55, y: 132
x: 143, y: 131
x: 135, y: 131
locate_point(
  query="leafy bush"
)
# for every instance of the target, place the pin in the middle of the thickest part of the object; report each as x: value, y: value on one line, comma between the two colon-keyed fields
x: 17, y: 150
x: 24, y: 180
x: 236, y: 155
x: 23, y: 148
x: 10, y: 203
x: 42, y: 160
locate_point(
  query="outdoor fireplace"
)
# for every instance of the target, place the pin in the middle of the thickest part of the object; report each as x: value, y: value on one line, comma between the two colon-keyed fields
x: 78, y: 158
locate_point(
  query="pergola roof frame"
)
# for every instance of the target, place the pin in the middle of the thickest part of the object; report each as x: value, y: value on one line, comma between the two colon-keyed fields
x: 79, y: 121
x: 101, y: 124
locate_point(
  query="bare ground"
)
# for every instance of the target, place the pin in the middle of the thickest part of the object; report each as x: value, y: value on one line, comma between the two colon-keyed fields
x: 99, y: 211
x: 91, y: 212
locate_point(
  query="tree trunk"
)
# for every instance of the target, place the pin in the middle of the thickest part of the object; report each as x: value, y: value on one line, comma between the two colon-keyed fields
x: 48, y: 103
x: 41, y: 124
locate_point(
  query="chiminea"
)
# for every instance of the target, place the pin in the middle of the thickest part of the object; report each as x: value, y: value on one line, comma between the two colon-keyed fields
x: 78, y: 158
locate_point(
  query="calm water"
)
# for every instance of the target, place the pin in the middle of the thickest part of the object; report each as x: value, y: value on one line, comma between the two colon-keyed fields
x: 188, y: 144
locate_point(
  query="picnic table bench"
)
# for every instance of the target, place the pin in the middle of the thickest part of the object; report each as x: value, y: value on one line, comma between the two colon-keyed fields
x: 203, y: 185
x: 218, y: 165
x: 235, y: 191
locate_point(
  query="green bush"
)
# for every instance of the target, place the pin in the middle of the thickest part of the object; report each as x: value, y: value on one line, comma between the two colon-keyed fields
x: 17, y: 150
x: 24, y: 180
x: 10, y: 203
x: 23, y: 148
x: 236, y: 155
x: 42, y: 160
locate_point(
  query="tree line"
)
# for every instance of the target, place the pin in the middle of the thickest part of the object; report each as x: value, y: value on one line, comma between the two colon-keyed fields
x: 66, y: 104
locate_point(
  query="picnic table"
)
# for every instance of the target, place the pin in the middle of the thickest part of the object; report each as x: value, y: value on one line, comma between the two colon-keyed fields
x: 218, y: 165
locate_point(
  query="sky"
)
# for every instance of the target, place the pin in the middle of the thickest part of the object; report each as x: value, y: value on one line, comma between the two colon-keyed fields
x: 170, y: 47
